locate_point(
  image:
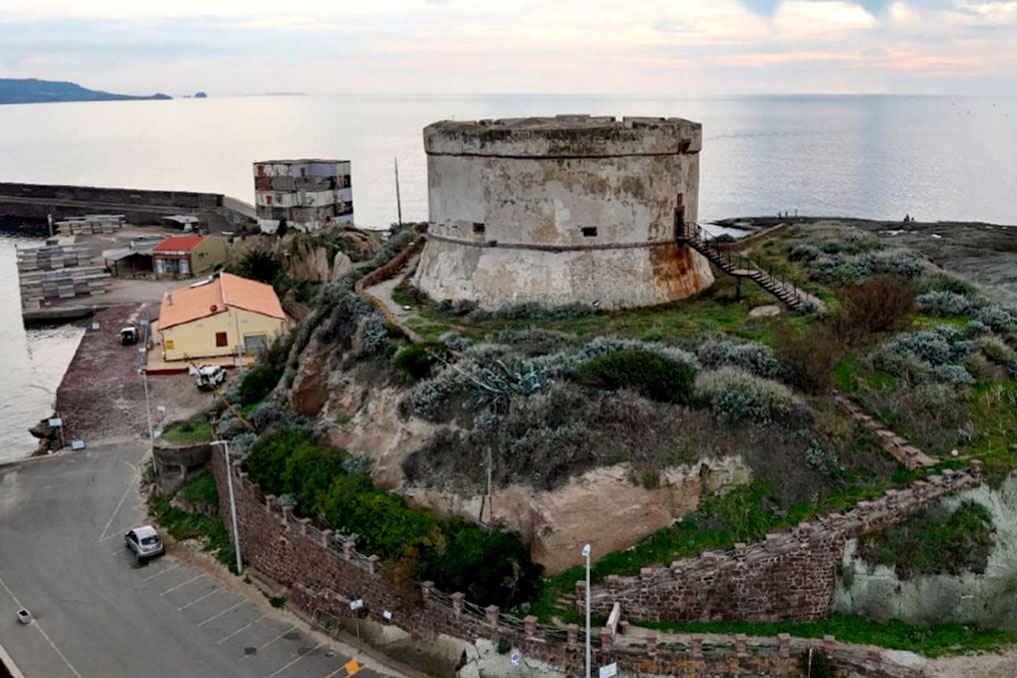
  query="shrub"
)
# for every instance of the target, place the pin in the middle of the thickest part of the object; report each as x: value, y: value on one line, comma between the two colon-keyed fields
x: 929, y: 347
x: 371, y: 335
x: 903, y: 263
x: 882, y: 304
x: 260, y: 265
x: 934, y: 542
x: 492, y: 567
x: 938, y: 280
x: 257, y: 383
x: 475, y: 562
x: 976, y: 328
x: 751, y: 357
x: 945, y: 303
x: 657, y: 377
x: 455, y: 341
x: 735, y: 395
x: 953, y: 374
x: 997, y: 319
x: 419, y: 359
x: 808, y: 357
x: 978, y: 366
x: 996, y: 350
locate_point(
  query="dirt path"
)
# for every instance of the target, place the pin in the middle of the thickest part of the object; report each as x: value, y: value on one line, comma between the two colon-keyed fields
x: 980, y: 666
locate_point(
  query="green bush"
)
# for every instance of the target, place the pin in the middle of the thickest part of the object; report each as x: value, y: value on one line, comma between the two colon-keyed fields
x: 418, y: 360
x: 735, y: 395
x: 655, y: 376
x: 996, y: 350
x: 491, y: 567
x: 934, y: 542
x: 257, y: 383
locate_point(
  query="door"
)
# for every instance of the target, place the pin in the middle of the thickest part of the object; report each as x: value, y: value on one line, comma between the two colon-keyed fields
x: 679, y: 218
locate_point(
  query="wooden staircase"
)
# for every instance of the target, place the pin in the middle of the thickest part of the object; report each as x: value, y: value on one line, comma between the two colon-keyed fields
x: 740, y: 266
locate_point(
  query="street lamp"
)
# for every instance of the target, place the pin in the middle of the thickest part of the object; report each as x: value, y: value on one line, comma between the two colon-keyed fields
x: 586, y: 554
x: 233, y: 504
x: 144, y: 377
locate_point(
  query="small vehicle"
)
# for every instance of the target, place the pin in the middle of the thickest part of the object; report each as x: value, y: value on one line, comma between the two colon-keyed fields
x: 144, y: 541
x: 128, y: 336
x: 207, y: 376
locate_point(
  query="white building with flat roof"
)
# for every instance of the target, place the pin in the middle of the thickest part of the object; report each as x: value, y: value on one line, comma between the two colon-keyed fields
x: 305, y: 194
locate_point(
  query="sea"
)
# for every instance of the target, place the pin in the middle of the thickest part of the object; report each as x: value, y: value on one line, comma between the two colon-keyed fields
x: 932, y: 157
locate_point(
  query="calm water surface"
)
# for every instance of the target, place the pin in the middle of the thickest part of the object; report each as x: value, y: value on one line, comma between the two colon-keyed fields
x: 934, y: 157
x: 34, y: 361
x: 881, y: 157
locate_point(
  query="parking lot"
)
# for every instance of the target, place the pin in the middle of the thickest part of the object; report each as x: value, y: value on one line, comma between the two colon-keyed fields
x: 264, y: 646
x: 100, y: 614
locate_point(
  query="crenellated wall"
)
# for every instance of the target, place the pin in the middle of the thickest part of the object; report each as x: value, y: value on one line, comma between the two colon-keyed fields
x: 788, y: 576
x: 323, y: 578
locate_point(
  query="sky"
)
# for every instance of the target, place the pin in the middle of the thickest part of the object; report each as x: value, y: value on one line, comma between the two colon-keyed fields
x: 668, y: 48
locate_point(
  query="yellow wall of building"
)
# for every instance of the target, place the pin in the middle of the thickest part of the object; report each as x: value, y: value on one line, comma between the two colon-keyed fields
x: 196, y: 339
x: 209, y: 253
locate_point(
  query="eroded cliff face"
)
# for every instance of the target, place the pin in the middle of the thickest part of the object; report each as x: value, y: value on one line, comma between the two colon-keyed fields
x: 877, y: 592
x: 602, y: 507
x: 314, y: 258
x: 605, y: 507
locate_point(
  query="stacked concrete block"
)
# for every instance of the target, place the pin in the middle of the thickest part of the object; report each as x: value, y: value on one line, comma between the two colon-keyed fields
x: 306, y: 194
x: 91, y: 224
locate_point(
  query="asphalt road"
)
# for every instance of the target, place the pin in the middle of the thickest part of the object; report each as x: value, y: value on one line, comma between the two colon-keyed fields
x: 99, y: 614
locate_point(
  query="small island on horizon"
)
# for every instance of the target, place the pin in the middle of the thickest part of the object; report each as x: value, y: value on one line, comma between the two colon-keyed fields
x: 35, y: 91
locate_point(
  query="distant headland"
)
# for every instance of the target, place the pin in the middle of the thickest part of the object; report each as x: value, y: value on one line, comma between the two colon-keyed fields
x: 34, y: 91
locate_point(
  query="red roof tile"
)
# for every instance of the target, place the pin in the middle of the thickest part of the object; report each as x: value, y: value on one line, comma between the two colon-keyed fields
x: 202, y: 300
x: 176, y: 243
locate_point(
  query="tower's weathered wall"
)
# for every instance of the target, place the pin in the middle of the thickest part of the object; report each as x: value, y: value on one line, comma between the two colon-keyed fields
x: 561, y: 210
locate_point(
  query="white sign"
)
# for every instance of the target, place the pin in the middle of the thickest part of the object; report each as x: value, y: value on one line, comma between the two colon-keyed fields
x: 515, y: 658
x: 77, y: 444
x: 386, y: 614
x: 56, y: 422
x: 609, y: 671
x: 95, y: 327
x: 356, y: 604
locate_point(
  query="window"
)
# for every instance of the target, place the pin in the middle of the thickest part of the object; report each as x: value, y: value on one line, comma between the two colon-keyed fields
x: 478, y: 228
x: 220, y: 339
x: 589, y: 231
x: 268, y: 200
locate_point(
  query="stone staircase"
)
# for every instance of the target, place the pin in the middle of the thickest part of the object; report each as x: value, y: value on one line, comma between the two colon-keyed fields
x: 740, y: 266
x: 898, y: 447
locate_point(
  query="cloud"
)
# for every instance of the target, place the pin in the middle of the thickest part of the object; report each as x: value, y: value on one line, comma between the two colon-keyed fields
x: 666, y: 47
x: 804, y: 18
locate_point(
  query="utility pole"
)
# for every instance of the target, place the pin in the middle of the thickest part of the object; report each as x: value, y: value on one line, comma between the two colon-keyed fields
x: 399, y: 202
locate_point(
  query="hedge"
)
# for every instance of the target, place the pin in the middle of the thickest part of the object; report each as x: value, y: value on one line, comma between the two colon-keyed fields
x: 491, y: 567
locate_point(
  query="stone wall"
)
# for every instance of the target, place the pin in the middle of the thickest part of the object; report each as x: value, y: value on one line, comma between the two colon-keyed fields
x: 324, y: 578
x: 788, y: 576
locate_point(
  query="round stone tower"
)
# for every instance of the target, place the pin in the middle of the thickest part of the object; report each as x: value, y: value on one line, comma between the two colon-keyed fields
x: 570, y: 209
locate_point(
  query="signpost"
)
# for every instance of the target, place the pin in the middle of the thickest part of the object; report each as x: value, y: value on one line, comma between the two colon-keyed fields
x: 515, y: 657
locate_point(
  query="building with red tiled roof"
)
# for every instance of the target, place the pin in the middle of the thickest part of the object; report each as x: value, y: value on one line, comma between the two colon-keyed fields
x: 187, y: 255
x: 224, y: 315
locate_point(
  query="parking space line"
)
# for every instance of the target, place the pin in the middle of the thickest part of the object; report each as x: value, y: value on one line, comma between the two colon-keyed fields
x: 162, y: 571
x: 216, y: 616
x: 263, y: 646
x: 198, y: 600
x: 242, y: 628
x: 130, y: 486
x: 184, y: 583
x: 276, y: 673
x: 38, y: 627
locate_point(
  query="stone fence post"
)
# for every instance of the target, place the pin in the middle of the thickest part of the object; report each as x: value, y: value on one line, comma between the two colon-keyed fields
x: 784, y: 644
x: 458, y: 603
x: 491, y: 613
x: 372, y: 564
x: 348, y: 548
x: 530, y: 625
x: 572, y: 636
x: 326, y: 538
x: 697, y: 646
x: 425, y: 590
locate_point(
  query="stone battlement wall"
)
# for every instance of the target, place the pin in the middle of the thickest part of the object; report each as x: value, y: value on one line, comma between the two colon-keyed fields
x: 789, y: 576
x: 324, y: 577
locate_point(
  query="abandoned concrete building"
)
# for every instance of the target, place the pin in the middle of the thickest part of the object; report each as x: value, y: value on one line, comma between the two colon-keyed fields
x: 569, y: 209
x: 305, y: 194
